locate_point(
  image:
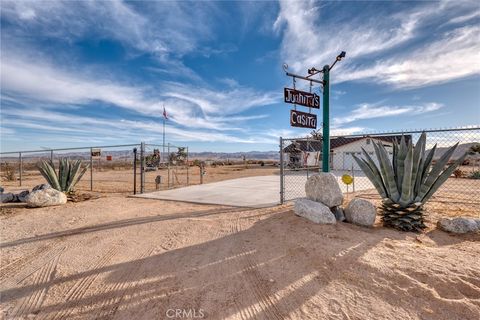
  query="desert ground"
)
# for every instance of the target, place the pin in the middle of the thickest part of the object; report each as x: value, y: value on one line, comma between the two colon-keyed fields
x: 125, y: 258
x: 120, y: 179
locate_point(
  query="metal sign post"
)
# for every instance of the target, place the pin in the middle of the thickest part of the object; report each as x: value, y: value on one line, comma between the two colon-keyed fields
x: 309, y: 99
x: 326, y: 120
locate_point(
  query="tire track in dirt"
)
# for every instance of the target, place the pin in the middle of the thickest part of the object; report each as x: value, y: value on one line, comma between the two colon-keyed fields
x: 116, y: 291
x: 32, y: 303
x: 266, y: 302
x: 20, y: 274
x: 13, y: 267
x: 80, y: 287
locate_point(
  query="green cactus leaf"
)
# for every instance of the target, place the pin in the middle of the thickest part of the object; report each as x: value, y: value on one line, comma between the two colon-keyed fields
x: 387, y: 171
x: 442, y: 178
x: 375, y: 179
x: 435, y: 173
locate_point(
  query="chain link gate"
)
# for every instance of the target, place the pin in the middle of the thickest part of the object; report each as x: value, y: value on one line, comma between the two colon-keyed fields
x: 301, y: 157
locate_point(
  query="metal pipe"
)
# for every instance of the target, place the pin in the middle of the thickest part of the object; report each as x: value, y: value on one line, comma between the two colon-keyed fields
x: 188, y: 166
x: 91, y: 169
x: 304, y: 78
x: 142, y: 167
x: 326, y: 120
x: 20, y: 168
x: 282, y: 194
x: 168, y: 166
x: 134, y: 170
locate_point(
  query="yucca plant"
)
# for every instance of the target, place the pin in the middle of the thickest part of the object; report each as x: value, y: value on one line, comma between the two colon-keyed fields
x: 408, y: 181
x: 69, y: 173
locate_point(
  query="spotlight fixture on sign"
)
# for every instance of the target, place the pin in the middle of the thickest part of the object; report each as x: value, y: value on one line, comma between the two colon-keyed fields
x: 312, y: 100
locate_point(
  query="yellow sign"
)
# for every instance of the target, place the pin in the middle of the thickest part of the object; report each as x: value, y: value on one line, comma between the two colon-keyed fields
x: 347, y: 179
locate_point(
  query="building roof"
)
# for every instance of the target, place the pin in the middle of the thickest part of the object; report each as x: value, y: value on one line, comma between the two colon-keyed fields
x: 316, y: 145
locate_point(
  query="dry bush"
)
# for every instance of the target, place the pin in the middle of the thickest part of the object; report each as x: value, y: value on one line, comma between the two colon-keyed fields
x: 9, y: 172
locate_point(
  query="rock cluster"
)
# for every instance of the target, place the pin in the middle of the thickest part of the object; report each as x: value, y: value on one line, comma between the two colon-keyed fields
x: 41, y: 196
x: 324, y: 200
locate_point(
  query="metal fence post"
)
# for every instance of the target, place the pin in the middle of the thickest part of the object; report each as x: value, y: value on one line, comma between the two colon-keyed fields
x: 168, y: 166
x: 188, y: 165
x: 91, y: 169
x: 134, y: 170
x: 51, y: 155
x: 282, y: 195
x: 142, y: 167
x: 20, y: 167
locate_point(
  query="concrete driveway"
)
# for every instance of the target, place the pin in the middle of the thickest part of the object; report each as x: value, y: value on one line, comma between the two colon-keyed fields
x: 255, y: 192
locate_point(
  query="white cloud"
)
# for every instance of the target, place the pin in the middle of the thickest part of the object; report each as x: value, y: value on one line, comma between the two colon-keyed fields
x: 186, y: 104
x: 371, y: 111
x: 309, y: 39
x: 455, y: 56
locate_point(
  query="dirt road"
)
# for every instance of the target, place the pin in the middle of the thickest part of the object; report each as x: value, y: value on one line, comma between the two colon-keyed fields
x: 123, y: 258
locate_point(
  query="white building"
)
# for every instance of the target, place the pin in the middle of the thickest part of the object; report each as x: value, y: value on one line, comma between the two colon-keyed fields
x: 304, y: 152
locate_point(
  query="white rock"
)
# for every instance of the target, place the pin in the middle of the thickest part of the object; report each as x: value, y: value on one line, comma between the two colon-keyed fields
x: 459, y: 225
x: 314, y: 211
x: 7, y: 197
x: 361, y: 212
x: 45, y: 197
x: 323, y: 187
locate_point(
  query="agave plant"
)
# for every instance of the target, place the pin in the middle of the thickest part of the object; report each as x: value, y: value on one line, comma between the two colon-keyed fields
x: 408, y: 181
x: 69, y: 173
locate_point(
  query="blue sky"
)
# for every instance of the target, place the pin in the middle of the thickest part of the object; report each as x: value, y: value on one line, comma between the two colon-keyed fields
x: 80, y: 73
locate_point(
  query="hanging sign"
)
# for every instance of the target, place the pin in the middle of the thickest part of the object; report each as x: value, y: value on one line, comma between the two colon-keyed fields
x: 307, y: 99
x: 303, y: 119
x: 96, y: 152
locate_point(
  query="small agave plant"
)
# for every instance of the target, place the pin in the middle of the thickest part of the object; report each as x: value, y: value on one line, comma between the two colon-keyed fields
x: 408, y: 181
x: 69, y: 173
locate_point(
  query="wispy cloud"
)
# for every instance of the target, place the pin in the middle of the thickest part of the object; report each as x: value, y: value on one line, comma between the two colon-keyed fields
x: 456, y: 55
x: 371, y: 111
x: 407, y: 52
x: 187, y: 104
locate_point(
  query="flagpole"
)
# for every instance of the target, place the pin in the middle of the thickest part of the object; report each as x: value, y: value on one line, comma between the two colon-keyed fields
x: 164, y: 137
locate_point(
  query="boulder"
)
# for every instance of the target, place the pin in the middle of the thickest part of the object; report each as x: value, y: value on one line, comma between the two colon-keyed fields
x: 45, y: 197
x: 314, y: 211
x: 7, y: 197
x: 1, y: 189
x: 338, y: 213
x: 22, y: 196
x: 41, y: 187
x: 459, y: 225
x: 361, y: 212
x: 323, y: 187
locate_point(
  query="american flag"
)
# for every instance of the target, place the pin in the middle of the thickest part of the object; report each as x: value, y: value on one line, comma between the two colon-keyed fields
x: 165, y: 113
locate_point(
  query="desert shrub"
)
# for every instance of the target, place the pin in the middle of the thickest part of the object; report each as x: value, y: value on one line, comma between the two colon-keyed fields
x: 262, y: 164
x: 9, y: 172
x: 458, y: 173
x: 475, y: 175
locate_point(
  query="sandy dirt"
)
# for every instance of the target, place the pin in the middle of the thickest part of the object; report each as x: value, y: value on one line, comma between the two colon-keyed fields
x: 121, y: 180
x: 124, y: 258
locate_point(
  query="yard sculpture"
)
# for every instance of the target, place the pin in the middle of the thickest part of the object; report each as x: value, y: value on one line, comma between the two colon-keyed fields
x: 408, y: 181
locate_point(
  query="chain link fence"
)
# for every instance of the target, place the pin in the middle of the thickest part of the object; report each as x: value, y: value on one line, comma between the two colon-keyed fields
x: 302, y: 157
x: 123, y: 169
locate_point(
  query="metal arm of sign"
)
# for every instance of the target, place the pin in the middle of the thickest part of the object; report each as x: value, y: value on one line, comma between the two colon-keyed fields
x: 303, y: 78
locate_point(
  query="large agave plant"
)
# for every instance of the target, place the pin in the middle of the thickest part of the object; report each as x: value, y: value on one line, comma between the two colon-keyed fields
x: 69, y: 173
x: 408, y: 181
